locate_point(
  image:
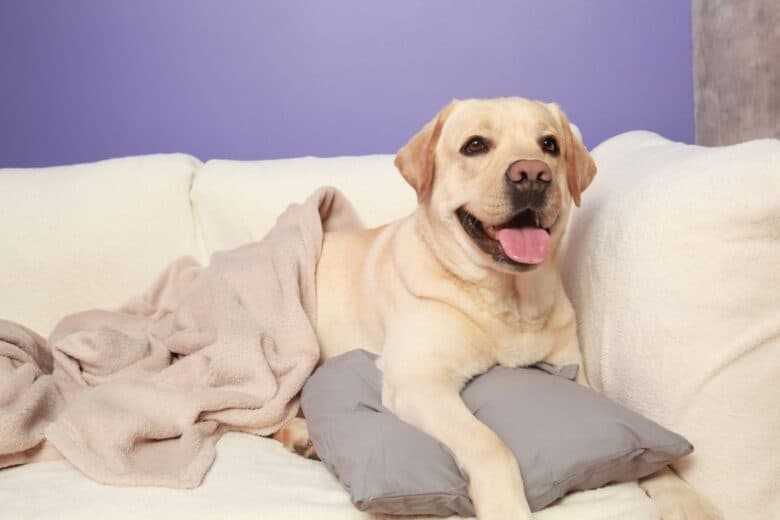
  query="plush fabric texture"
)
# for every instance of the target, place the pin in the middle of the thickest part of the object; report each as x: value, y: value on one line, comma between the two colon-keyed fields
x: 90, y: 235
x: 147, y: 390
x: 565, y: 437
x: 237, y: 201
x: 673, y: 267
x: 29, y: 398
x: 253, y: 477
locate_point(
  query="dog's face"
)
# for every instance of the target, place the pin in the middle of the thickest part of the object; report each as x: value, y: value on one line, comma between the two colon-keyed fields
x: 496, y: 179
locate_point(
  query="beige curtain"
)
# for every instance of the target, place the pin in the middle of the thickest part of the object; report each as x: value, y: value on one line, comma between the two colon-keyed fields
x: 736, y: 62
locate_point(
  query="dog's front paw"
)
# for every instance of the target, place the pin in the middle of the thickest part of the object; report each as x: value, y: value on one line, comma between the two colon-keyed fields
x: 503, y: 513
x: 675, y: 504
x: 500, y: 498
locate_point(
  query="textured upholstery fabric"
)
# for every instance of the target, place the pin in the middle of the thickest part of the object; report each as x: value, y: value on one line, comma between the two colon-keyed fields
x: 90, y: 235
x: 673, y: 267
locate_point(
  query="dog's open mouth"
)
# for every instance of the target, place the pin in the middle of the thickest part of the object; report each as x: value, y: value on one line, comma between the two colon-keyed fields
x: 520, y: 242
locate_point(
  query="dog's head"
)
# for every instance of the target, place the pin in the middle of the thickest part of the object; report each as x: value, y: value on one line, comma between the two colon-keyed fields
x: 496, y: 178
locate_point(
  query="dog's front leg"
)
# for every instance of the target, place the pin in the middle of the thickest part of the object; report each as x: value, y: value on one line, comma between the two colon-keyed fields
x: 567, y: 352
x: 435, y: 407
x: 422, y: 379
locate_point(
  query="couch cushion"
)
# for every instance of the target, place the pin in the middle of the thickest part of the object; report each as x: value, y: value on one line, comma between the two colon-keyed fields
x: 87, y: 235
x: 253, y: 478
x: 238, y: 201
x: 673, y: 267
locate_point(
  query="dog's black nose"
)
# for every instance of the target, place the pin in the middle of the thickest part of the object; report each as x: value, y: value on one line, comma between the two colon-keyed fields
x: 529, y: 172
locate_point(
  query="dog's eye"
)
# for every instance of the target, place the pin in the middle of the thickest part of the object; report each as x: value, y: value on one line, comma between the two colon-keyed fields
x: 549, y: 145
x: 474, y: 146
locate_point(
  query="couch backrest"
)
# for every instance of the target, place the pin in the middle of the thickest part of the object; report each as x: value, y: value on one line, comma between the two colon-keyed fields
x: 90, y: 235
x: 238, y: 201
x: 93, y: 235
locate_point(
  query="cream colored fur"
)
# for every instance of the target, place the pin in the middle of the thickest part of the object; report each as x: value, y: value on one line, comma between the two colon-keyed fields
x: 439, y: 310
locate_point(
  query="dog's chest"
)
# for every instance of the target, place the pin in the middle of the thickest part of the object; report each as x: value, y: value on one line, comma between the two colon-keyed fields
x: 518, y: 333
x: 523, y: 348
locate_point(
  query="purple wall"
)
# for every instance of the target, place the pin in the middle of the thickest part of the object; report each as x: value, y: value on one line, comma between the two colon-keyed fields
x: 84, y: 80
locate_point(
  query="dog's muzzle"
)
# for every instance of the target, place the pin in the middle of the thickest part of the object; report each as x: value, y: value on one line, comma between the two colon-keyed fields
x: 528, y: 181
x: 521, y: 241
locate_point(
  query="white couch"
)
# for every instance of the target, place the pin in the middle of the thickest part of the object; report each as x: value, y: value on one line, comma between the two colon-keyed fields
x: 92, y: 235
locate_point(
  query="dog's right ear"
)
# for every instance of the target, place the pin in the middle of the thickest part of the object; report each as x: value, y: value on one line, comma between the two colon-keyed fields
x: 415, y: 160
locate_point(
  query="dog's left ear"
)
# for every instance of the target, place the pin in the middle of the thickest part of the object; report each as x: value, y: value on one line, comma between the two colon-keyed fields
x: 580, y: 167
x: 415, y: 160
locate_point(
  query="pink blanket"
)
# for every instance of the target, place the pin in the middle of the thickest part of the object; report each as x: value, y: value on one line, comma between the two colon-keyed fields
x: 139, y: 396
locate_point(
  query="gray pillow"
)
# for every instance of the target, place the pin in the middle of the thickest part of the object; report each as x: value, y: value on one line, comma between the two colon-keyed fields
x: 564, y: 436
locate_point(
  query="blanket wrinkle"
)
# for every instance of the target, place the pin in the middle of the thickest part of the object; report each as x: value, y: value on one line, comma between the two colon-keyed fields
x: 140, y: 395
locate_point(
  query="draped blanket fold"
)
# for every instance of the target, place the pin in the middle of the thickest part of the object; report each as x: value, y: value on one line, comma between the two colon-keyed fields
x: 139, y: 396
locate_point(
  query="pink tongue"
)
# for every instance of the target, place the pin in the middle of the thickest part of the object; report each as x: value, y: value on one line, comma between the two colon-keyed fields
x: 524, y: 245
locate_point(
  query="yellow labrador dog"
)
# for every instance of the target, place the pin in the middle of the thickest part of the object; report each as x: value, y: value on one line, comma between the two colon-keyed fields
x: 469, y: 280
